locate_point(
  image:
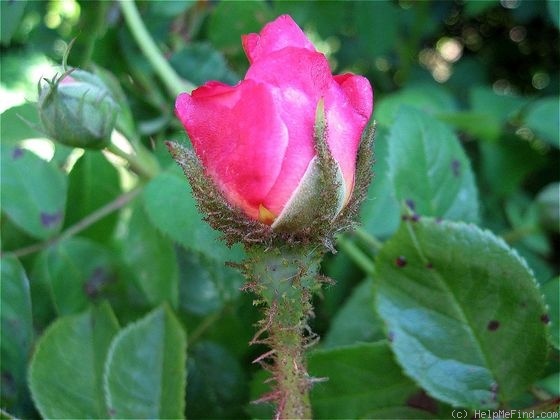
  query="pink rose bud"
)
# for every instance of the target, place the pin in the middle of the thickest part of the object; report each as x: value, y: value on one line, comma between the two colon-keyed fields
x: 255, y: 140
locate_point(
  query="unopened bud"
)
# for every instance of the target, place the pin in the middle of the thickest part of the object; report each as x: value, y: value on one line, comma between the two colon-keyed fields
x: 77, y: 109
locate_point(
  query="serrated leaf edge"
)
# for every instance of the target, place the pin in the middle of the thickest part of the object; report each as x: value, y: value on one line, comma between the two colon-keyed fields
x: 498, y: 241
x: 146, y: 319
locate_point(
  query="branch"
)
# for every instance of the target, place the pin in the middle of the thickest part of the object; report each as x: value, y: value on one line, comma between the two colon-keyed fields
x: 83, y: 224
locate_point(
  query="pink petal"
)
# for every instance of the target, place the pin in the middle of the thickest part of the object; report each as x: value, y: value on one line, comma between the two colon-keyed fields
x: 237, y: 134
x: 359, y: 92
x: 297, y: 79
x: 348, y: 109
x: 276, y: 35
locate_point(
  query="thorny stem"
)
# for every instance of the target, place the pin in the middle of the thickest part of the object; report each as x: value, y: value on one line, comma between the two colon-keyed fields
x: 170, y: 78
x: 285, y: 280
x: 86, y: 222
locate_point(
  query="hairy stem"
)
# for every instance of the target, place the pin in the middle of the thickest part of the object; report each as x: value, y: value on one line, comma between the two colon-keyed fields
x: 285, y: 280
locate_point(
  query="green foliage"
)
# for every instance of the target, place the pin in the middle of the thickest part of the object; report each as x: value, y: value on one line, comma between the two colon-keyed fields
x: 361, y: 381
x: 429, y: 170
x: 17, y: 329
x: 66, y: 372
x: 463, y: 312
x: 33, y: 192
x: 74, y: 272
x: 145, y: 369
x: 93, y: 182
x: 435, y: 300
x: 151, y: 260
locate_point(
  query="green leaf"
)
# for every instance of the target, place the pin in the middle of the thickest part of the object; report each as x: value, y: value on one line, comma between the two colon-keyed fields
x: 145, y: 372
x: 205, y: 286
x: 18, y: 122
x: 170, y: 8
x: 361, y: 379
x: 33, y: 192
x: 11, y: 13
x: 151, y: 259
x: 554, y: 12
x: 551, y: 292
x: 429, y: 169
x: 463, y: 312
x: 66, y: 372
x: 230, y: 20
x: 76, y: 271
x: 543, y: 118
x: 476, y: 7
x: 17, y: 328
x: 93, y: 183
x: 429, y: 98
x: 380, y: 213
x: 356, y: 320
x: 217, y: 384
x: 199, y: 62
x: 478, y: 124
x: 506, y: 163
x: 171, y: 208
x: 376, y: 20
x: 500, y: 108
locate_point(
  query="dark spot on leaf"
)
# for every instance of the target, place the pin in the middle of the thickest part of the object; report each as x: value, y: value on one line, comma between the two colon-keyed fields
x: 415, y: 217
x: 411, y: 204
x: 400, y: 261
x: 429, y: 266
x: 50, y: 219
x: 493, y: 325
x: 456, y: 167
x: 523, y: 304
x: 494, y: 390
x: 96, y: 281
x: 545, y: 319
x: 404, y: 217
x: 17, y: 153
x: 438, y: 220
x: 422, y: 401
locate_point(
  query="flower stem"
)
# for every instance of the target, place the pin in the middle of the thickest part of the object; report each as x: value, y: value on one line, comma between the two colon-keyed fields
x: 140, y: 161
x: 173, y: 82
x: 285, y: 279
x: 359, y: 257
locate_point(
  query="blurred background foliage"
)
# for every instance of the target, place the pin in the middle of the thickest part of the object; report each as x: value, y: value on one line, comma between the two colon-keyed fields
x: 487, y: 69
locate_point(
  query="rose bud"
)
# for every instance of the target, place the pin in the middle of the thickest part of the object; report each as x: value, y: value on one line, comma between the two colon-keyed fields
x: 77, y: 109
x: 258, y: 141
